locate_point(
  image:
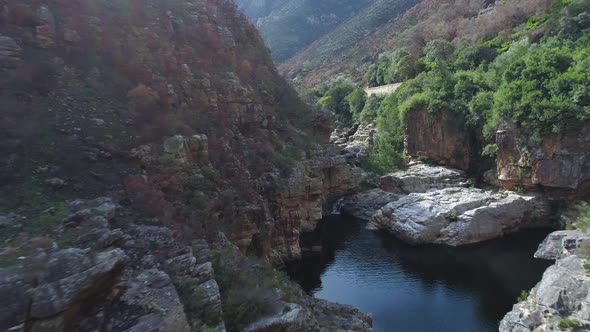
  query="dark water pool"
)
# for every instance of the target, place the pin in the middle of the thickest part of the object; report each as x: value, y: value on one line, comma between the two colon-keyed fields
x: 425, y: 288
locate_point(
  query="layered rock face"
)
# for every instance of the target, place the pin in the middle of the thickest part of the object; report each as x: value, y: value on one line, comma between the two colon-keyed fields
x: 173, y: 108
x: 561, y: 244
x: 560, y: 163
x: 561, y: 301
x: 358, y: 146
x: 420, y: 178
x: 132, y: 276
x: 185, y: 96
x: 437, y: 138
x: 121, y: 277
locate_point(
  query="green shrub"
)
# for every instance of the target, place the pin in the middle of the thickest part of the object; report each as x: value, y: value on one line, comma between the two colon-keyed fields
x: 523, y: 296
x: 250, y: 289
x: 195, y: 301
x: 452, y: 216
x: 583, y: 221
x: 490, y: 150
x: 356, y: 103
x: 568, y: 324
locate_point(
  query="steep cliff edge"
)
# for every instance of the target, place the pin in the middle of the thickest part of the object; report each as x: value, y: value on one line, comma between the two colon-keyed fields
x: 436, y: 137
x: 174, y: 111
x: 560, y: 164
x: 176, y: 103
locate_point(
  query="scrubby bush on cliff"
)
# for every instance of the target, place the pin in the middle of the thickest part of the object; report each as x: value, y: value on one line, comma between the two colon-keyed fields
x: 583, y: 221
x: 250, y: 289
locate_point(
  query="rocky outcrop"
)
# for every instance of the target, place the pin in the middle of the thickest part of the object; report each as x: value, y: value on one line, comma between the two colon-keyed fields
x: 313, y: 183
x: 45, y: 31
x: 10, y: 52
x: 560, y: 163
x: 561, y: 244
x: 177, y: 111
x: 560, y: 302
x: 365, y: 204
x: 45, y: 290
x: 358, y: 146
x: 154, y: 288
x: 313, y: 316
x: 419, y: 178
x: 436, y: 137
x: 458, y: 216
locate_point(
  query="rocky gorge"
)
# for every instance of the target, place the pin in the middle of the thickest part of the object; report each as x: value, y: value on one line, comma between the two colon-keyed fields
x: 206, y: 165
x: 156, y: 170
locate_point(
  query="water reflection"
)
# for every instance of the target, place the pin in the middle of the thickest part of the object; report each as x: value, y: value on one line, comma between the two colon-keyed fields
x: 424, y: 288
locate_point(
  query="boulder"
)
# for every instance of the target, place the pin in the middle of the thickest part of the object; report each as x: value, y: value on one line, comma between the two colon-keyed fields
x: 561, y: 244
x: 458, y: 216
x: 48, y: 292
x: 74, y: 275
x: 420, y: 178
x: 153, y: 290
x: 323, y: 124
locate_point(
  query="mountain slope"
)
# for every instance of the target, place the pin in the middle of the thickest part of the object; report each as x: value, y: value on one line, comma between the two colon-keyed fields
x: 289, y: 26
x: 353, y: 42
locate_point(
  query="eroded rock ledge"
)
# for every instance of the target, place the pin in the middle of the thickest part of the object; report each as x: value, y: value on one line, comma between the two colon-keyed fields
x: 561, y: 300
x: 457, y: 216
x: 432, y: 204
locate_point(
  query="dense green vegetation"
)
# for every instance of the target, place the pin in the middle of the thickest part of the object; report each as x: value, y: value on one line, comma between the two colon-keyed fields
x: 343, y: 98
x: 539, y: 77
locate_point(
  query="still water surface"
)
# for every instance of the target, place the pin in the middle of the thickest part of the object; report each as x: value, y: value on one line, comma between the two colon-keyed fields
x: 424, y: 288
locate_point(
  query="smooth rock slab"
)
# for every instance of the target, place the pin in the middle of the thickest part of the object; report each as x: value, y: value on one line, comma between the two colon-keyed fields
x: 364, y: 205
x: 458, y: 216
x: 420, y: 178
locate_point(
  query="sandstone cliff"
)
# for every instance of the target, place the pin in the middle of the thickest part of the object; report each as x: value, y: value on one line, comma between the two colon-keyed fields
x: 559, y: 164
x: 437, y: 138
x: 176, y: 103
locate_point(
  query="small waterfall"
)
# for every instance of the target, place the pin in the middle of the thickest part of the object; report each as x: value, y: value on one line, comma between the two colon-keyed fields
x: 337, y: 206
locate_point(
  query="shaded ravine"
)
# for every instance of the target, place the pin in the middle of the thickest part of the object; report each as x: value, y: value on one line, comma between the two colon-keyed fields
x: 424, y: 288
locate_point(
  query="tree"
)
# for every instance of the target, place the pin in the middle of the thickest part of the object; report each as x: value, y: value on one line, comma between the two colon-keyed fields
x: 356, y: 102
x: 334, y: 99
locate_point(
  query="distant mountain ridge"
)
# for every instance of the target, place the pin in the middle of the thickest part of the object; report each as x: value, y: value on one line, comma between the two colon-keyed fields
x: 289, y: 26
